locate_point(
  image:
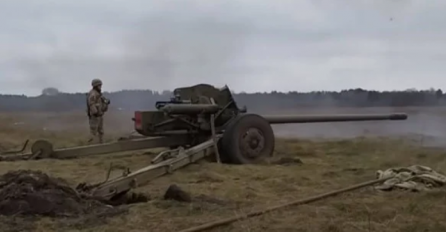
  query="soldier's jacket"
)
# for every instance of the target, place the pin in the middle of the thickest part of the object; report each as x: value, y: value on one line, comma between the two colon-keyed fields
x: 97, y: 104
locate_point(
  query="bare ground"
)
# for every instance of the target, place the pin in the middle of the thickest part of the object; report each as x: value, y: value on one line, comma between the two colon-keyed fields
x: 227, y: 190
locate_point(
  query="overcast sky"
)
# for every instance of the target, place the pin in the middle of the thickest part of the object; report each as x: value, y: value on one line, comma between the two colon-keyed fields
x: 250, y: 45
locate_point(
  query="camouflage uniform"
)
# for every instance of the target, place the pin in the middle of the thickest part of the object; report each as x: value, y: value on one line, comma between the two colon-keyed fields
x: 97, y: 105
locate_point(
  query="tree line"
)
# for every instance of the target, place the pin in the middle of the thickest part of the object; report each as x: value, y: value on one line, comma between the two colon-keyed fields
x: 52, y: 100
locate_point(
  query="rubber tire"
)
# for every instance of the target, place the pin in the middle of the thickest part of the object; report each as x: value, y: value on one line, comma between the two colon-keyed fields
x: 229, y: 143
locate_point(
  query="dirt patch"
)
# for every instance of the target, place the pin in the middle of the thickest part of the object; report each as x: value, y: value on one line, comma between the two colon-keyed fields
x: 28, y: 193
x: 27, y: 196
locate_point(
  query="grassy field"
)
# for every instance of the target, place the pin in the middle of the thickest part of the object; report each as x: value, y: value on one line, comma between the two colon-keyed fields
x: 326, y: 165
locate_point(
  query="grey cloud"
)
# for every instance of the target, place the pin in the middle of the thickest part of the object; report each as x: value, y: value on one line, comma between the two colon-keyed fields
x: 250, y: 45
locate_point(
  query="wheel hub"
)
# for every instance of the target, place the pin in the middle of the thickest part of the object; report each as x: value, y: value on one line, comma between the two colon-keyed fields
x: 252, y: 143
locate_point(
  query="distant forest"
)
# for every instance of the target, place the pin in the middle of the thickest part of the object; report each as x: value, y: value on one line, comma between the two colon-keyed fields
x: 52, y: 100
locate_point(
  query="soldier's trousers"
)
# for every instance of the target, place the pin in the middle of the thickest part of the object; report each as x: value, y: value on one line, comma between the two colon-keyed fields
x: 96, y: 128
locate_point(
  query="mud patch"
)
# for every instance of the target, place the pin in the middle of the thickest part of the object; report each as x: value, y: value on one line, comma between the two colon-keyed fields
x: 28, y: 195
x: 35, y: 193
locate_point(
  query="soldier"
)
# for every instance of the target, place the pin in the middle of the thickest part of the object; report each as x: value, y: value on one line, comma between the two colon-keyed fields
x: 97, y: 105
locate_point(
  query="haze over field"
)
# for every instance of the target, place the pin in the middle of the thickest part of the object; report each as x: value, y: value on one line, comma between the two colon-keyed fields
x: 250, y: 45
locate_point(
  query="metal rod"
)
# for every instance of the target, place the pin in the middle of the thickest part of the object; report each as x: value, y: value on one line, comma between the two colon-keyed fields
x: 106, y: 148
x: 121, y: 146
x: 284, y: 119
x: 17, y: 151
x: 214, y: 135
x: 226, y: 221
x: 190, y: 108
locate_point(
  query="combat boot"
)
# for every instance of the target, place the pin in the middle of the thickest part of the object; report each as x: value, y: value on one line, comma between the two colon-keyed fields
x: 92, y: 140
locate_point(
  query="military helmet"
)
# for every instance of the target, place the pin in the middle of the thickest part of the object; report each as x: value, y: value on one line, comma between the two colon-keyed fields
x: 96, y: 82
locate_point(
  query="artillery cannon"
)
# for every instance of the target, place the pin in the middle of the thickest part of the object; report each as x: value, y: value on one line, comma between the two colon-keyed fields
x: 198, y: 121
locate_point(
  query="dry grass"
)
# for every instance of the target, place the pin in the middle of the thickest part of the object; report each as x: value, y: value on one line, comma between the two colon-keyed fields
x: 327, y: 165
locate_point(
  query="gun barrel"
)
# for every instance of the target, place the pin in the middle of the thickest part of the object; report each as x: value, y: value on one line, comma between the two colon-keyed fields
x: 190, y: 108
x: 282, y: 119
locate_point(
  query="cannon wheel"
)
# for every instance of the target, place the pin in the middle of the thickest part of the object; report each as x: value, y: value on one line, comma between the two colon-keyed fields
x: 248, y: 139
x: 42, y: 149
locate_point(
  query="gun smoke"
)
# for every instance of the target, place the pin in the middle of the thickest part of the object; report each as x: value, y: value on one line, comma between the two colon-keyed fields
x: 426, y: 121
